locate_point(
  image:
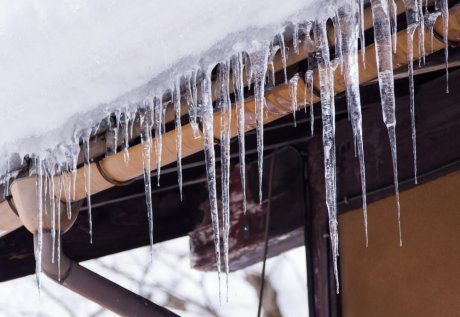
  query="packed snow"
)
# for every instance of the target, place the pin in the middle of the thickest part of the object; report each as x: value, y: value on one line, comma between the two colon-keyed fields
x: 65, y: 65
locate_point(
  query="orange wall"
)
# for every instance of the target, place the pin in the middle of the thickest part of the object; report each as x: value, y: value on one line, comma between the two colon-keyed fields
x: 421, y: 278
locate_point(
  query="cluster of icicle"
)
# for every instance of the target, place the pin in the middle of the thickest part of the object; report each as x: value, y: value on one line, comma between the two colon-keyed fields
x: 197, y: 91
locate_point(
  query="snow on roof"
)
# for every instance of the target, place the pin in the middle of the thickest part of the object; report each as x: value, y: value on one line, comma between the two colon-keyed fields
x: 65, y: 64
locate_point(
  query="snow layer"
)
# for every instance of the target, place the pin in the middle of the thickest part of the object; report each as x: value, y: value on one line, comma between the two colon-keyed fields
x: 64, y: 65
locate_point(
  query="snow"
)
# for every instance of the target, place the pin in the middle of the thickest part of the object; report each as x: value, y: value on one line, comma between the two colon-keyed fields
x: 65, y: 64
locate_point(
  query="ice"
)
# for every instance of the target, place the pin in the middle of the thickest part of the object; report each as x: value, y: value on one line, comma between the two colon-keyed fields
x: 414, y: 20
x: 443, y: 7
x: 38, y: 251
x: 328, y: 117
x: 309, y: 84
x: 239, y: 97
x: 293, y: 94
x: 191, y: 93
x: 224, y: 104
x: 145, y: 124
x: 49, y: 179
x: 86, y: 136
x: 383, y: 52
x: 349, y: 15
x: 394, y: 22
x: 158, y: 123
x: 209, y: 153
x: 283, y: 55
x: 430, y: 20
x: 259, y: 70
x: 271, y: 63
x: 178, y: 127
x: 125, y: 124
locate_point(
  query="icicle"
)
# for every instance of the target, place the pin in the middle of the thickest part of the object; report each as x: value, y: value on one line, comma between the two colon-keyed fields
x: 413, y: 21
x: 225, y: 123
x: 237, y: 68
x: 362, y: 39
x: 248, y: 68
x: 430, y: 20
x: 295, y: 39
x: 191, y: 93
x: 394, y: 22
x: 38, y: 252
x: 158, y: 115
x: 382, y: 39
x: 259, y: 66
x: 349, y: 25
x: 283, y: 56
x: 178, y: 128
x: 208, y: 136
x: 125, y: 133
x: 271, y: 64
x: 309, y: 84
x: 338, y: 41
x: 146, y: 140
x: 410, y: 67
x: 50, y: 175
x: 328, y: 118
x: 68, y: 192
x: 87, y: 169
x: 58, y: 204
x: 112, y: 134
x: 444, y: 8
x: 75, y: 150
x: 293, y: 94
x: 421, y: 33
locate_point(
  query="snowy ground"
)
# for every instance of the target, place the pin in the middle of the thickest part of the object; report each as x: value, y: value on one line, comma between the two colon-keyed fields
x: 169, y: 274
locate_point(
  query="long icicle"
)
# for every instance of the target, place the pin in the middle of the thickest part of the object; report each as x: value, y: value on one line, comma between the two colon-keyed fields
x: 158, y: 115
x: 328, y: 118
x: 413, y: 21
x: 384, y: 58
x: 178, y: 127
x: 259, y: 69
x: 225, y: 124
x: 38, y: 252
x: 87, y: 169
x: 239, y: 97
x: 348, y: 23
x: 209, y: 153
x: 146, y: 123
